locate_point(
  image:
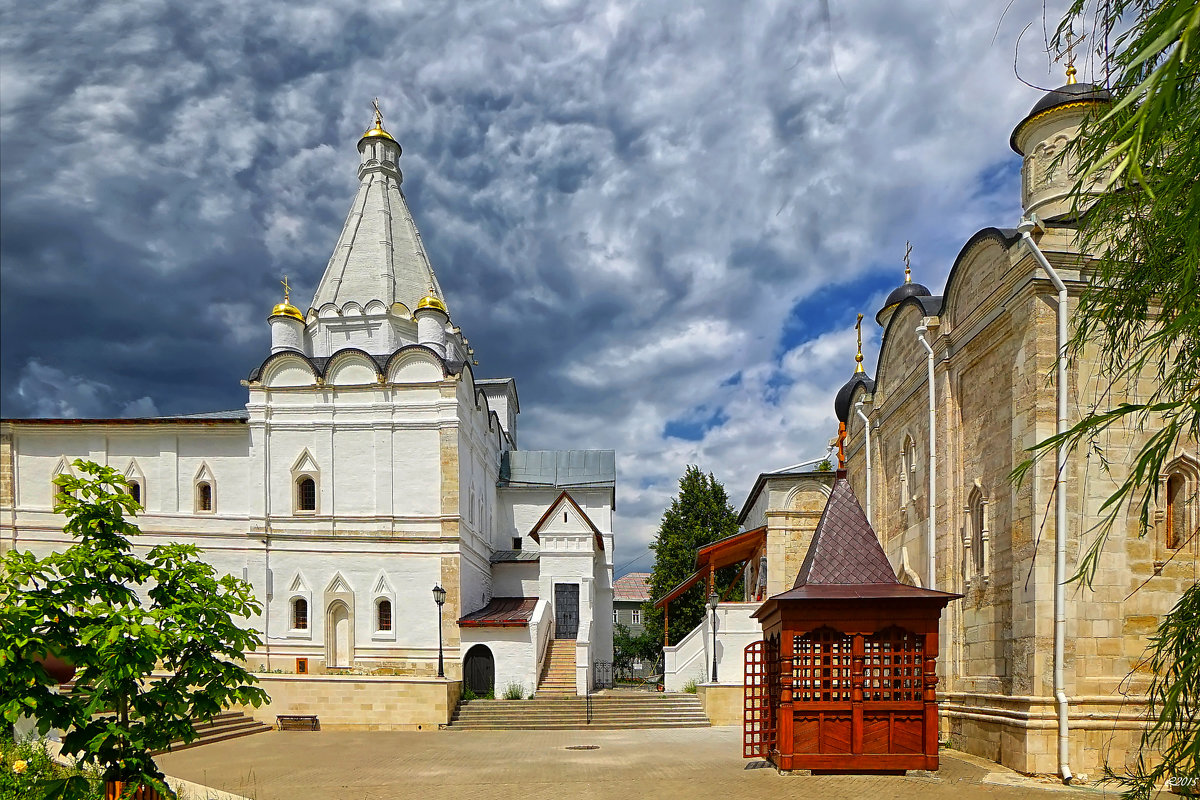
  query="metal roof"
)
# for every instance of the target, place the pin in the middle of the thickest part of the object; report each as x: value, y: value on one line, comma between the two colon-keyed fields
x: 559, y: 468
x: 513, y: 556
x: 502, y: 612
x: 633, y: 586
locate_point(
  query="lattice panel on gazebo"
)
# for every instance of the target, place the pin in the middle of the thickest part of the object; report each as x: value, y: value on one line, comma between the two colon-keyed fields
x: 821, y: 666
x: 892, y: 666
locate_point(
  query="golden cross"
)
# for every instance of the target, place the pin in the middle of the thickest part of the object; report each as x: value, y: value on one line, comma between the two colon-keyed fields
x: 287, y: 290
x: 907, y: 268
x: 378, y: 113
x: 1069, y: 53
x: 858, y: 358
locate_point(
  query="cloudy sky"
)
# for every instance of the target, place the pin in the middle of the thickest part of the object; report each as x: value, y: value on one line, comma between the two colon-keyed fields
x: 661, y: 218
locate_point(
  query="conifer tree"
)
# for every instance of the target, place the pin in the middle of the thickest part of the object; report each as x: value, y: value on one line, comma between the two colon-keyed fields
x: 698, y: 515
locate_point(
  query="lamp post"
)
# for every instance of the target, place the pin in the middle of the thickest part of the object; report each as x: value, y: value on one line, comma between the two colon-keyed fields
x: 713, y: 599
x: 439, y: 597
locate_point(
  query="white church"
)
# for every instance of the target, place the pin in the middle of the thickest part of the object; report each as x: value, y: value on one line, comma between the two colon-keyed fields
x: 369, y: 467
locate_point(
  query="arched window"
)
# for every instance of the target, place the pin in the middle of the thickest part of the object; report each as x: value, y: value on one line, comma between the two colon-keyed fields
x: 908, y: 472
x: 1176, y: 506
x: 204, y: 496
x: 300, y: 614
x: 135, y: 491
x: 383, y: 615
x: 306, y: 494
x: 977, y: 539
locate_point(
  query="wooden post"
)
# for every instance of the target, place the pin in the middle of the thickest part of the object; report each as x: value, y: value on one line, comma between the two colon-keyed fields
x: 666, y: 629
x: 858, y: 655
x: 786, y: 741
x: 929, y: 676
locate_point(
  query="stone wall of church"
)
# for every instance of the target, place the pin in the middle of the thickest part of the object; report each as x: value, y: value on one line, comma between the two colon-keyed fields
x: 995, y: 345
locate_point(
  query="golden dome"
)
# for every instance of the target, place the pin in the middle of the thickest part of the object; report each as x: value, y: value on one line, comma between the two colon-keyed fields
x: 286, y: 309
x: 431, y: 301
x: 376, y: 131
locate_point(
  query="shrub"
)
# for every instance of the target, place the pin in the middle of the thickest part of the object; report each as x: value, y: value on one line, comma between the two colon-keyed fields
x: 514, y: 691
x: 690, y: 686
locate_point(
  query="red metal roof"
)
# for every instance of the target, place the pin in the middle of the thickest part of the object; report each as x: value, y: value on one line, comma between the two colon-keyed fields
x: 502, y: 612
x: 634, y: 586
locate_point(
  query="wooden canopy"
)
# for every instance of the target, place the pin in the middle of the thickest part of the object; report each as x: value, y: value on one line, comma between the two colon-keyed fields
x: 711, y: 557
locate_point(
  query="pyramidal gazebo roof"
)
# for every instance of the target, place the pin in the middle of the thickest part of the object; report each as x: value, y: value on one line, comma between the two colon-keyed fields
x: 845, y: 559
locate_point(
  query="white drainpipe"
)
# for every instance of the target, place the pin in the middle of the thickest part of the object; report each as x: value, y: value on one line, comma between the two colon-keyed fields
x: 931, y: 539
x: 867, y: 447
x: 1025, y: 227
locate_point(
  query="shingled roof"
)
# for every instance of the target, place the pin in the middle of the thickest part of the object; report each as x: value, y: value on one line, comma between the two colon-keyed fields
x: 844, y: 549
x: 845, y: 559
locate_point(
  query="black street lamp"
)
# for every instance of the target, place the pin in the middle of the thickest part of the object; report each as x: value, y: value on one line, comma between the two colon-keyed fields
x: 713, y: 599
x: 439, y: 597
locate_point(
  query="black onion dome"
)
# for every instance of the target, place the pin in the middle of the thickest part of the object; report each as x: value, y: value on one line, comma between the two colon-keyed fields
x: 900, y: 294
x: 1067, y: 94
x: 841, y: 403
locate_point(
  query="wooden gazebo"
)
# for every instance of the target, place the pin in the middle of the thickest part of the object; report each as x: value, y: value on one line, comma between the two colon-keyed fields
x: 844, y: 678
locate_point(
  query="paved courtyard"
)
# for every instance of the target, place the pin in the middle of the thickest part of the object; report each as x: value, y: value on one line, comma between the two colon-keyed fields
x: 537, y: 765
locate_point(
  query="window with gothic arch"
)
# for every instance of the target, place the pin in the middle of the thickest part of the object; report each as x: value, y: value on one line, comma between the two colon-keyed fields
x: 978, y: 539
x: 908, y: 472
x: 1181, y: 517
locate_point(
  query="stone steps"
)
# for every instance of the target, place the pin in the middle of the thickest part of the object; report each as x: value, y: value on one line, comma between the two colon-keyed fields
x: 228, y: 725
x: 609, y: 712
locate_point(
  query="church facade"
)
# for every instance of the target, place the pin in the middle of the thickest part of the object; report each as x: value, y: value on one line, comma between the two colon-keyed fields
x: 933, y: 465
x: 369, y: 466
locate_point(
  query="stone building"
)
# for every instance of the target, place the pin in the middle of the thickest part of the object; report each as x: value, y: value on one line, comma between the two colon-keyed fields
x: 368, y: 465
x: 950, y: 518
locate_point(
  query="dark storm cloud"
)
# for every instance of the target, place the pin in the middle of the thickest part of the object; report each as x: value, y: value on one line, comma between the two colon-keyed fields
x: 626, y: 204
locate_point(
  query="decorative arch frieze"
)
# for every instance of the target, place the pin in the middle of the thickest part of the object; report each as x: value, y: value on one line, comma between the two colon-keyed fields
x: 415, y: 363
x: 351, y: 366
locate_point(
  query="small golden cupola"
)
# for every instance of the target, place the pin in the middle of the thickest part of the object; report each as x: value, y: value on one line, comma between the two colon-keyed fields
x: 431, y: 300
x: 287, y: 323
x: 377, y: 144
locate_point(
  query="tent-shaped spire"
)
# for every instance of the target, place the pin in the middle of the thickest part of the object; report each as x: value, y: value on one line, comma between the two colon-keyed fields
x: 379, y: 255
x: 844, y: 549
x: 845, y: 560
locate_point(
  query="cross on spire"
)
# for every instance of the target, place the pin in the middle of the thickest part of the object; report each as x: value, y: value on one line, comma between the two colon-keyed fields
x: 907, y: 266
x: 1072, y: 42
x: 859, y: 358
x: 287, y: 290
x: 378, y: 113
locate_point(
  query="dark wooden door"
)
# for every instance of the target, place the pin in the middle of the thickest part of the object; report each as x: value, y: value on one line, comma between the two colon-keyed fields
x: 566, y: 610
x: 479, y: 671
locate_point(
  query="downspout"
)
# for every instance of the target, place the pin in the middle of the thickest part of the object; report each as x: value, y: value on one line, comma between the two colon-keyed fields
x: 867, y: 446
x: 931, y: 537
x: 1025, y: 227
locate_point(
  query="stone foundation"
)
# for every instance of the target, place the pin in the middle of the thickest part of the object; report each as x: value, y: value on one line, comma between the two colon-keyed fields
x: 358, y: 702
x: 1022, y: 732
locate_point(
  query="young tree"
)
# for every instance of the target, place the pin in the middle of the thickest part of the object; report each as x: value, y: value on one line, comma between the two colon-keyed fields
x: 1142, y: 311
x: 119, y: 618
x: 698, y: 515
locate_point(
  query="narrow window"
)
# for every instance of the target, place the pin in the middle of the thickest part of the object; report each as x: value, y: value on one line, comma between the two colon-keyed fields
x: 204, y: 498
x: 385, y: 615
x: 616, y: 619
x: 1176, y: 518
x: 135, y: 491
x: 977, y: 532
x: 300, y: 614
x: 516, y: 543
x: 637, y: 616
x: 60, y: 495
x: 306, y: 490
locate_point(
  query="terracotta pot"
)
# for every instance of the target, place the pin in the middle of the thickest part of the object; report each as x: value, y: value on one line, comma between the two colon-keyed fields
x: 115, y: 790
